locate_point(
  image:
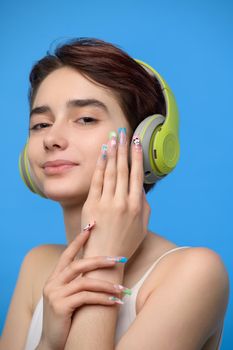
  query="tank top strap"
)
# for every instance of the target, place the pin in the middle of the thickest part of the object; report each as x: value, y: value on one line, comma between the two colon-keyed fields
x: 156, y: 262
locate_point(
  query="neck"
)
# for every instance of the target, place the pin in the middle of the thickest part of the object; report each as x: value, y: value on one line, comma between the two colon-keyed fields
x: 72, y: 220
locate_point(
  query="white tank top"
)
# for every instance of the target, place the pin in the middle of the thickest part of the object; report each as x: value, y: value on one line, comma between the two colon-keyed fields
x: 126, y: 314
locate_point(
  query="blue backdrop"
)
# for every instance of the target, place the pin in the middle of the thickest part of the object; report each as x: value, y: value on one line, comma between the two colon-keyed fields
x: 190, y: 44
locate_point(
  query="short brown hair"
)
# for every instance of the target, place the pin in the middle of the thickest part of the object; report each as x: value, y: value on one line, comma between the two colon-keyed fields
x: 138, y: 93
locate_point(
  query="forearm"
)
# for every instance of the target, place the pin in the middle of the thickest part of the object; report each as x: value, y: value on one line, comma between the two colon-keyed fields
x: 93, y: 326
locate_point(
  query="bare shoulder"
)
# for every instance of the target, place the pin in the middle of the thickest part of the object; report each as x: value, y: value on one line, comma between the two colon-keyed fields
x: 47, y: 251
x: 36, y: 266
x: 198, y: 280
x: 195, y: 265
x: 198, y: 262
x: 187, y: 296
x: 43, y: 260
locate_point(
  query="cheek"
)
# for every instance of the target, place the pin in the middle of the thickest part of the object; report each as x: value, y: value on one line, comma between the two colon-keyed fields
x: 93, y: 146
x: 92, y: 157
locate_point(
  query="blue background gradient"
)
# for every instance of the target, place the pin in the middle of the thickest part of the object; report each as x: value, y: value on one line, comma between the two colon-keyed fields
x: 190, y: 44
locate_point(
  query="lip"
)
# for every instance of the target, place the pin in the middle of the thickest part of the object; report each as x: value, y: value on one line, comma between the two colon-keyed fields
x: 58, y: 166
x: 57, y: 163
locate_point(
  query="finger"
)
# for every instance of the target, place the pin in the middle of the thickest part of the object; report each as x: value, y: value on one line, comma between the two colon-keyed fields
x: 122, y: 184
x: 137, y: 173
x: 66, y: 306
x: 72, y: 250
x: 96, y: 187
x: 87, y: 298
x: 83, y: 265
x: 146, y: 211
x: 110, y: 174
x: 93, y: 285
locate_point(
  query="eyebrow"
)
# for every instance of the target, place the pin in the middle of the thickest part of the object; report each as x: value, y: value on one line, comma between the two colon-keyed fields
x: 71, y: 103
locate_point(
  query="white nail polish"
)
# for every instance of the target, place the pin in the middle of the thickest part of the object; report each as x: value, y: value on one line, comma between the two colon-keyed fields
x: 118, y: 286
x: 116, y: 300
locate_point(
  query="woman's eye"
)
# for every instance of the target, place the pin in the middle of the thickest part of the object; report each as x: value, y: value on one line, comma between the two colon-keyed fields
x: 87, y: 120
x: 37, y: 126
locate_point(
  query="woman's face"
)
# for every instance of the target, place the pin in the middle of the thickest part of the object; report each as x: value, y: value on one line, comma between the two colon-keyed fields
x: 58, y: 131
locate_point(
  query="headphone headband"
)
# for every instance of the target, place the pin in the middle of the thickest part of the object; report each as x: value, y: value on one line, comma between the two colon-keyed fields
x: 172, y: 119
x: 165, y: 148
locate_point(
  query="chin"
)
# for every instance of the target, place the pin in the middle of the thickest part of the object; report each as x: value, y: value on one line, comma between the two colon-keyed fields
x: 65, y: 193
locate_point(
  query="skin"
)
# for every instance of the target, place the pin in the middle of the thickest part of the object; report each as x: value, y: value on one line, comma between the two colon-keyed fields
x: 72, y: 140
x: 67, y: 137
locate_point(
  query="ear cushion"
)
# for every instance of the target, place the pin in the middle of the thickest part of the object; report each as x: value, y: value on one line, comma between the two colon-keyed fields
x: 147, y: 131
x: 26, y: 173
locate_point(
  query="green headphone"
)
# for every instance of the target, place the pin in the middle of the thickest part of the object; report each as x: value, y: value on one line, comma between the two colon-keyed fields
x: 158, y: 135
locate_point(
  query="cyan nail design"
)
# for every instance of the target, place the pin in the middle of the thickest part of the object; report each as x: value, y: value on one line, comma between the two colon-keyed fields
x: 122, y: 136
x: 123, y: 129
x: 121, y: 259
x: 104, y: 149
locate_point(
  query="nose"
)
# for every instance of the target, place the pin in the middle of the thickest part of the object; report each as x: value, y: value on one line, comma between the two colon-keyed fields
x: 55, y: 139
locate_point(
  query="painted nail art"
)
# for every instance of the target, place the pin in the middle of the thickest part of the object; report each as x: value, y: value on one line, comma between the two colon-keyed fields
x: 113, y: 139
x: 122, y: 136
x: 121, y: 259
x: 123, y: 289
x: 117, y: 300
x: 127, y: 291
x: 104, y: 151
x: 137, y: 143
x: 89, y: 226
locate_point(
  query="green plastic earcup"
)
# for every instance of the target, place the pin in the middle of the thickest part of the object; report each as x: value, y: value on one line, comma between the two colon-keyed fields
x: 163, y: 150
x: 26, y: 173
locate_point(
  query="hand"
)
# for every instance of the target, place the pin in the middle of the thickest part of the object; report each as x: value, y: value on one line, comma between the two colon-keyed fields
x: 117, y: 202
x: 66, y: 290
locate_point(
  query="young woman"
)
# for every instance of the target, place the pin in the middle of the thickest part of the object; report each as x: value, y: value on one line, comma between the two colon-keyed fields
x: 115, y: 285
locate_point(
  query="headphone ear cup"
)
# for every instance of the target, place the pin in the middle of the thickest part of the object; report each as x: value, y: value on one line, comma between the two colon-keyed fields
x: 26, y: 173
x: 167, y: 149
x: 147, y: 131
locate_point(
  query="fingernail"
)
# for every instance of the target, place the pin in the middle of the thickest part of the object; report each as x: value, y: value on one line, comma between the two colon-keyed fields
x: 137, y: 143
x: 127, y: 291
x: 122, y: 136
x: 117, y: 300
x: 104, y: 149
x: 121, y: 259
x: 89, y: 227
x: 124, y: 289
x: 113, y: 139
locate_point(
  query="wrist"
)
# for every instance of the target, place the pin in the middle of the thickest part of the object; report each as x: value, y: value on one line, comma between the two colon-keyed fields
x: 113, y: 274
x: 90, y: 250
x: 120, y: 259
